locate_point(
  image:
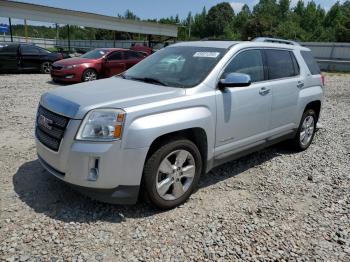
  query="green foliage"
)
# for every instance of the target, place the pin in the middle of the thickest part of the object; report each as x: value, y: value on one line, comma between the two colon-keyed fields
x: 220, y: 19
x: 276, y: 18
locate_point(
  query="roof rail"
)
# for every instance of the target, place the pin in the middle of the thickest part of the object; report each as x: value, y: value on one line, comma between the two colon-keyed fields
x: 275, y: 40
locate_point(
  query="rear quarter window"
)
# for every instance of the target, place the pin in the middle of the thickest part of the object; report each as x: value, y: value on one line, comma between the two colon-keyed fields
x: 311, y: 62
x: 280, y: 64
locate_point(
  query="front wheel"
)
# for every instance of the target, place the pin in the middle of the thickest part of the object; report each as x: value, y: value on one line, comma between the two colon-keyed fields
x: 89, y: 75
x: 171, y: 173
x: 306, y: 131
x: 45, y: 68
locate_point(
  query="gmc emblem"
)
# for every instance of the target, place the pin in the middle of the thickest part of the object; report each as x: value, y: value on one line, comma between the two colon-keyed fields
x: 45, y: 122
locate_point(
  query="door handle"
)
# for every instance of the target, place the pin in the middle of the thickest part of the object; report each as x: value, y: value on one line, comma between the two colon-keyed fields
x: 264, y: 91
x: 300, y: 84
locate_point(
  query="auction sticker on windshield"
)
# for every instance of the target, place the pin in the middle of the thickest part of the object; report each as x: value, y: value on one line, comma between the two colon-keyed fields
x: 206, y: 54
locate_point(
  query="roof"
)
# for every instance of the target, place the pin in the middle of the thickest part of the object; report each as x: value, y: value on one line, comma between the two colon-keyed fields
x: 64, y: 16
x: 214, y: 44
x: 229, y: 44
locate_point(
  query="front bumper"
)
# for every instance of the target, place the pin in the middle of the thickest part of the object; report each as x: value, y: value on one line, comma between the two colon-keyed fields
x: 66, y: 75
x: 119, y: 170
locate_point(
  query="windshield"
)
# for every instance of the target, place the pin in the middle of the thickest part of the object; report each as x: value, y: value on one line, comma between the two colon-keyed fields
x: 181, y: 66
x: 94, y: 54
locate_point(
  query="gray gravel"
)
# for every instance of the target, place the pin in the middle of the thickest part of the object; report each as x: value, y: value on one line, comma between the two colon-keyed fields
x: 272, y: 205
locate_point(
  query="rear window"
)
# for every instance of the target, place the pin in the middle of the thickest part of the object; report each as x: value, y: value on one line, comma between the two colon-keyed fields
x: 311, y: 62
x: 280, y: 64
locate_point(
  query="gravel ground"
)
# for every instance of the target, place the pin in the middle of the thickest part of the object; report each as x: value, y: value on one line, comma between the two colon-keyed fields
x: 272, y: 205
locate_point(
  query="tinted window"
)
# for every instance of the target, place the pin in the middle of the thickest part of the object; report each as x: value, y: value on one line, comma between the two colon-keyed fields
x: 8, y: 49
x: 295, y: 64
x: 280, y: 64
x: 29, y: 50
x: 311, y: 62
x: 133, y: 55
x: 248, y: 62
x: 43, y: 51
x: 115, y: 56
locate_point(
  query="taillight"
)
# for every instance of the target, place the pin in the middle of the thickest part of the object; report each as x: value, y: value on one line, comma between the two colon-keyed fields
x: 323, y: 79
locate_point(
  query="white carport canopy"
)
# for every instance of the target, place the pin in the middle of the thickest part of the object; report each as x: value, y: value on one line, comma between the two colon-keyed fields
x: 64, y: 16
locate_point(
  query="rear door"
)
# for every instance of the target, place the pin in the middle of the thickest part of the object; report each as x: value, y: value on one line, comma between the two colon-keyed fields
x: 9, y: 57
x: 284, y: 80
x: 114, y: 64
x: 132, y: 58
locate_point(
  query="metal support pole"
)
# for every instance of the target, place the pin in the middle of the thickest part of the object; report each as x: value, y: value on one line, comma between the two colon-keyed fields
x: 57, y: 34
x: 149, y: 40
x: 10, y: 24
x: 68, y: 31
x: 113, y: 38
x: 26, y: 30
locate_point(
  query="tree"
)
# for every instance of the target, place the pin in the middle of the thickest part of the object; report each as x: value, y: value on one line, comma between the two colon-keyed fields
x: 220, y: 18
x: 199, y: 26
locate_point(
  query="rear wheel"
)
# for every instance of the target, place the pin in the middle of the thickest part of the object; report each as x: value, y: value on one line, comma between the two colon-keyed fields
x: 45, y: 68
x: 171, y: 173
x: 89, y: 75
x: 306, y: 131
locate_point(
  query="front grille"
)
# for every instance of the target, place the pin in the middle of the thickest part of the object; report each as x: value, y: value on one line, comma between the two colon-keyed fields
x: 50, y: 128
x: 56, y: 67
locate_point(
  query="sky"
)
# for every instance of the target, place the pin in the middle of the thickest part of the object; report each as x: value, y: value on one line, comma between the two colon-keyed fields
x: 148, y: 9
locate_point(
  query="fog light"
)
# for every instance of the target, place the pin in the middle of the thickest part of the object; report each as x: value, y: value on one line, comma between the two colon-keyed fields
x: 93, y: 169
x: 69, y: 76
x: 93, y: 174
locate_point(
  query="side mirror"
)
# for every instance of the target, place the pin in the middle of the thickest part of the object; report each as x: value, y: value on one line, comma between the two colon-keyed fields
x: 235, y: 80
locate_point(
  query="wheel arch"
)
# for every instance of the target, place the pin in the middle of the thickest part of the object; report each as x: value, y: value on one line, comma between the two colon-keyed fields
x: 196, y: 135
x: 316, y: 106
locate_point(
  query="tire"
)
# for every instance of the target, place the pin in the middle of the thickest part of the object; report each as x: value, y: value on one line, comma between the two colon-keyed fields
x: 45, y: 67
x: 306, y: 131
x: 167, y: 183
x: 89, y: 75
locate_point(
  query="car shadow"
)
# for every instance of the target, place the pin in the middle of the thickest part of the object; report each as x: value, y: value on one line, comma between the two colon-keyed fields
x: 57, y: 83
x: 46, y: 194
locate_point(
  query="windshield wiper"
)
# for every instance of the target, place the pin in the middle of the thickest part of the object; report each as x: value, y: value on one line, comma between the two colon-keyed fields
x: 148, y: 80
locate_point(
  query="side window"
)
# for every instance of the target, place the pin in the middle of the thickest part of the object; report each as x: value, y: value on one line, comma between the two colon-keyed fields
x: 29, y: 50
x: 115, y: 56
x: 279, y: 64
x: 295, y: 64
x: 248, y: 62
x: 311, y: 63
x: 133, y: 55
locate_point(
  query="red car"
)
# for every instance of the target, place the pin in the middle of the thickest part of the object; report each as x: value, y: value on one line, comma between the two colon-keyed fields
x: 98, y: 63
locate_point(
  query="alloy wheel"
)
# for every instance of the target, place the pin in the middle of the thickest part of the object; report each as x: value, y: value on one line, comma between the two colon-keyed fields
x: 307, y: 130
x: 90, y: 76
x: 46, y: 67
x: 175, y: 174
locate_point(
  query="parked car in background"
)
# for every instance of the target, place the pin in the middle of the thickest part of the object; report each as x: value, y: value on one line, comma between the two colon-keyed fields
x: 158, y: 131
x: 142, y: 49
x: 15, y: 57
x: 98, y: 63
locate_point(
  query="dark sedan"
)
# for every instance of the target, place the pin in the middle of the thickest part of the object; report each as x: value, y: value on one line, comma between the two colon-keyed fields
x: 16, y: 57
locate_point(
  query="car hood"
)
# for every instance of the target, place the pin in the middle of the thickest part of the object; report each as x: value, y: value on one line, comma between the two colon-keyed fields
x: 73, y: 61
x: 75, y: 101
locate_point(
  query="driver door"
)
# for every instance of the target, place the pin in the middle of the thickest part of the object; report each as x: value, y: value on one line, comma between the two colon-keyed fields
x: 243, y: 113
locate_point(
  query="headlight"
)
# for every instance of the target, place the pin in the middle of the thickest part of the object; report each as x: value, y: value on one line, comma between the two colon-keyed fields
x: 71, y: 66
x: 102, y: 125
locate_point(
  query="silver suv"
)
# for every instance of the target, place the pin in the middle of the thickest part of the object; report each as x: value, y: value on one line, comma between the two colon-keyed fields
x: 182, y: 111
